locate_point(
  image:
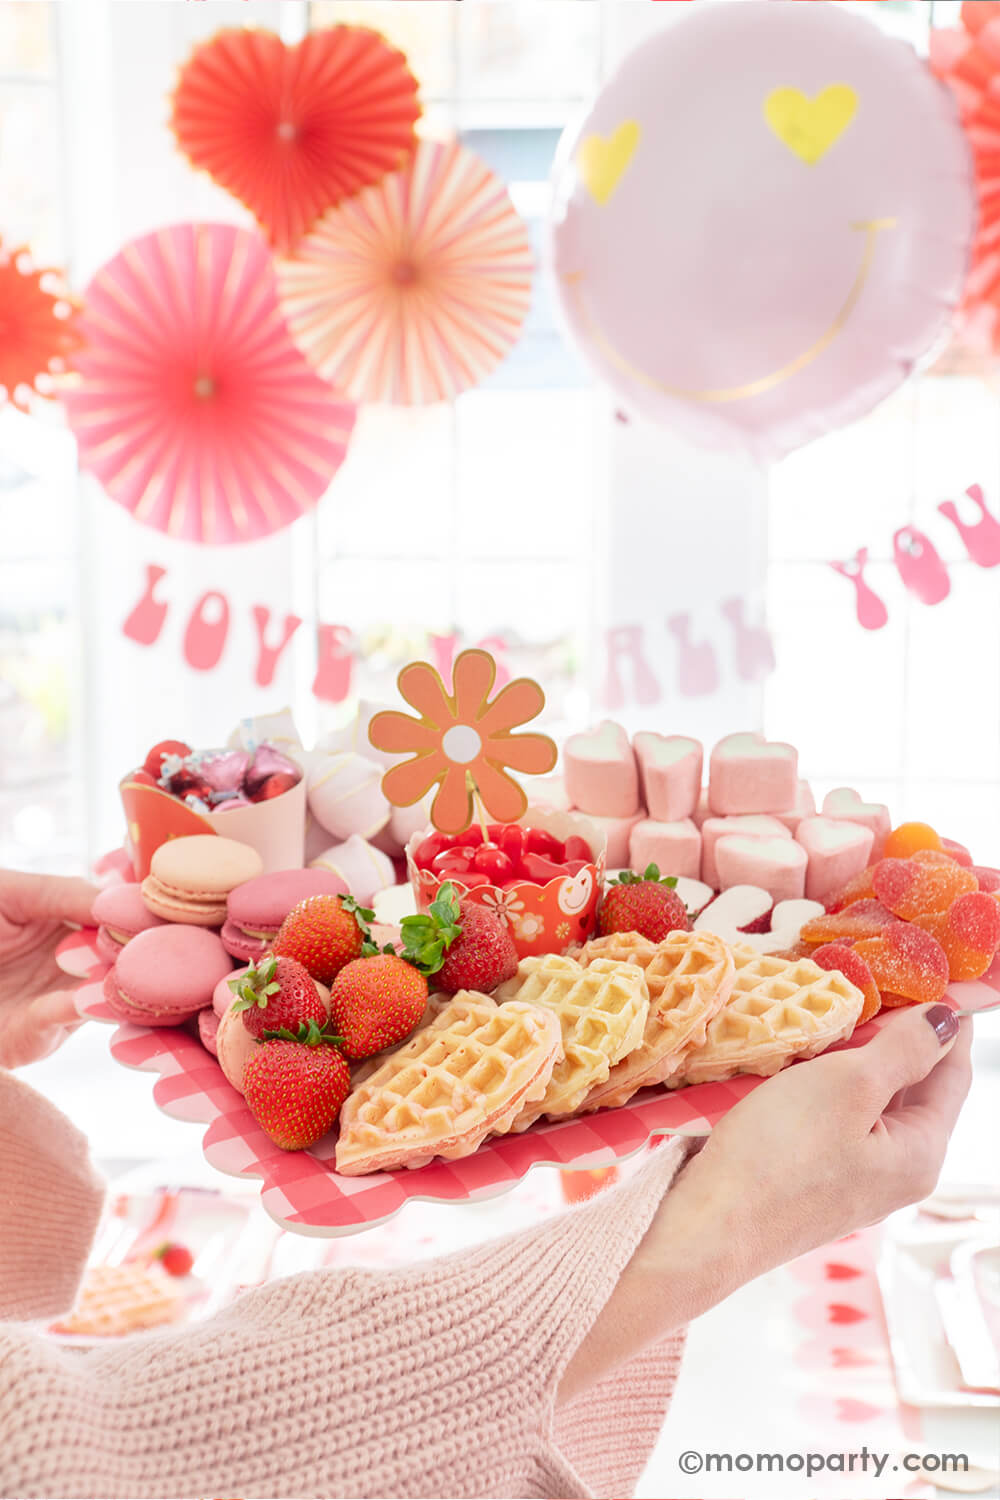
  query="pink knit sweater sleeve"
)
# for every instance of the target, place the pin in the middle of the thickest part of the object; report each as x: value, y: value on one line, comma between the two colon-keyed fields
x: 439, y: 1380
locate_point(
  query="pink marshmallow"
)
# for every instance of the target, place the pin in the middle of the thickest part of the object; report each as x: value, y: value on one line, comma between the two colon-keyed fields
x: 354, y: 736
x: 362, y: 867
x: 777, y: 864
x: 748, y: 774
x: 742, y: 905
x: 837, y: 851
x: 345, y: 795
x: 844, y: 802
x: 750, y: 825
x: 618, y: 832
x: 803, y: 807
x: 670, y: 774
x: 675, y: 847
x: 702, y: 811
x: 602, y: 778
x: 548, y: 792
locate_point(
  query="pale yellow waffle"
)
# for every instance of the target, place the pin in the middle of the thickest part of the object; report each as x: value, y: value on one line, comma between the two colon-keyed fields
x: 689, y: 976
x: 436, y: 1003
x: 779, y: 1009
x: 467, y: 1073
x: 116, y: 1300
x: 602, y: 1011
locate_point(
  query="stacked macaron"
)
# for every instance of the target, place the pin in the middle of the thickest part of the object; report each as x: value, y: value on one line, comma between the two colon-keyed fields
x: 120, y: 914
x: 256, y: 909
x: 190, y: 879
x: 166, y: 975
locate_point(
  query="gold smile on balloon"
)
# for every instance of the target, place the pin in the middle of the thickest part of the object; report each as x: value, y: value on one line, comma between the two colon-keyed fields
x: 871, y: 228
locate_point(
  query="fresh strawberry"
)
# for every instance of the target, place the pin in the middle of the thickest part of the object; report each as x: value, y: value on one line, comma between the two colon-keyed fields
x: 295, y: 1085
x: 323, y: 933
x: 277, y: 992
x: 464, y: 946
x: 376, y: 1001
x: 176, y: 1260
x: 646, y: 903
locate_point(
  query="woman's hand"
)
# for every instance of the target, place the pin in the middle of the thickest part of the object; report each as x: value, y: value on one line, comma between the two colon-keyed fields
x: 36, y: 998
x: 821, y: 1149
x: 826, y: 1147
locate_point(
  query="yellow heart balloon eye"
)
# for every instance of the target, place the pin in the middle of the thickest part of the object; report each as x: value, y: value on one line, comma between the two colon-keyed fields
x: 601, y: 160
x: 809, y: 127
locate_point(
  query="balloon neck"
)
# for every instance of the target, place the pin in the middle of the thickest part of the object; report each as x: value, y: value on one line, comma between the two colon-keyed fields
x: 404, y: 273
x: 204, y: 387
x: 287, y: 131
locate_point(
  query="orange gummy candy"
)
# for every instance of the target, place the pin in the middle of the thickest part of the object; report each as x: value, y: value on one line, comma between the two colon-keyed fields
x: 856, y: 971
x: 862, y: 919
x: 969, y: 933
x: 908, y: 838
x: 907, y: 964
x: 912, y: 887
x: 858, y: 888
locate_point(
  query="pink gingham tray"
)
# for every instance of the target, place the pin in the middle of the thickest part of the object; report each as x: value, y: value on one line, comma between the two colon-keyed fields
x: 302, y: 1191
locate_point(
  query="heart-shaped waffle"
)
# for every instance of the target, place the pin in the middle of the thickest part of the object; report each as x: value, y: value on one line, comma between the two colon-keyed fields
x: 469, y: 1072
x: 689, y: 976
x: 602, y: 1012
x: 779, y: 1009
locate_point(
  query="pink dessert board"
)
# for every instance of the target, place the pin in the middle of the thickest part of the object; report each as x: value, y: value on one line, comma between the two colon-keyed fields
x: 302, y: 1191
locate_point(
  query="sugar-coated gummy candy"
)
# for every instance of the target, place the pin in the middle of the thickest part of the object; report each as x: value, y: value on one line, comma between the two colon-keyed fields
x: 969, y: 933
x: 908, y: 838
x: 861, y: 920
x: 908, y: 962
x: 856, y: 971
x: 989, y: 879
x: 858, y: 888
x: 911, y: 887
x: 958, y: 852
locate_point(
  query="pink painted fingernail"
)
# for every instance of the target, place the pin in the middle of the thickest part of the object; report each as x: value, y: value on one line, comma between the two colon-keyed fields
x: 944, y: 1021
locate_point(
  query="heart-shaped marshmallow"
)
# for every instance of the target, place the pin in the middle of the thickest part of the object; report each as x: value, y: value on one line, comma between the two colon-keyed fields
x: 363, y: 868
x: 777, y: 864
x: 748, y: 774
x: 742, y: 905
x: 844, y: 802
x: 758, y: 826
x: 837, y: 851
x: 670, y: 772
x: 674, y: 847
x: 803, y: 807
x: 600, y: 771
x: 617, y: 832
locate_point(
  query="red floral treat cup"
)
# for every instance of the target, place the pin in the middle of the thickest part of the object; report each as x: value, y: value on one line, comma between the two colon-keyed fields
x: 275, y: 828
x: 542, y: 918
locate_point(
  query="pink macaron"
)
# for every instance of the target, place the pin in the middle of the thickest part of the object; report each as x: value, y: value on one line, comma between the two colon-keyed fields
x: 257, y: 908
x: 121, y: 914
x: 166, y: 975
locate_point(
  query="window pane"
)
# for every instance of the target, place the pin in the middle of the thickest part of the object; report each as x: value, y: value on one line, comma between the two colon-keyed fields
x: 424, y: 32
x: 518, y: 49
x: 25, y: 38
x: 29, y: 169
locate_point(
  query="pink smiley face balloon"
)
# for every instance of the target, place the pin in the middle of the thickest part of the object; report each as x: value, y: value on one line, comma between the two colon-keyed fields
x: 763, y: 222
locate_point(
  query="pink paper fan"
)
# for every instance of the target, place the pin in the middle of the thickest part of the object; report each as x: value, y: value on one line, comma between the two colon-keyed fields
x: 194, y: 409
x: 416, y: 288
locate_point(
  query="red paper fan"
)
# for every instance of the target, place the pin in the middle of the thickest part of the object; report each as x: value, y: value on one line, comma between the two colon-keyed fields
x: 38, y: 328
x: 195, y: 409
x: 415, y: 289
x: 968, y: 60
x: 292, y: 130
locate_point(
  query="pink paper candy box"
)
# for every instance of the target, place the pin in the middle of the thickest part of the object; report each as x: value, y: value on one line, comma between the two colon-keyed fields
x: 545, y: 918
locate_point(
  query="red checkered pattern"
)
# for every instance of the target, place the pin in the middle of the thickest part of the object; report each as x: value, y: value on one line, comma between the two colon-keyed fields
x: 302, y: 1191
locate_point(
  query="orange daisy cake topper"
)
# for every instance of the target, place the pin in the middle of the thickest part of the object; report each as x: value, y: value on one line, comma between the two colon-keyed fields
x: 38, y: 328
x: 462, y: 742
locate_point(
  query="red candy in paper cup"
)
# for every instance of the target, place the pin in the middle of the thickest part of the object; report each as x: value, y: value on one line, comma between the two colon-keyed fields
x: 274, y: 827
x: 544, y: 917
